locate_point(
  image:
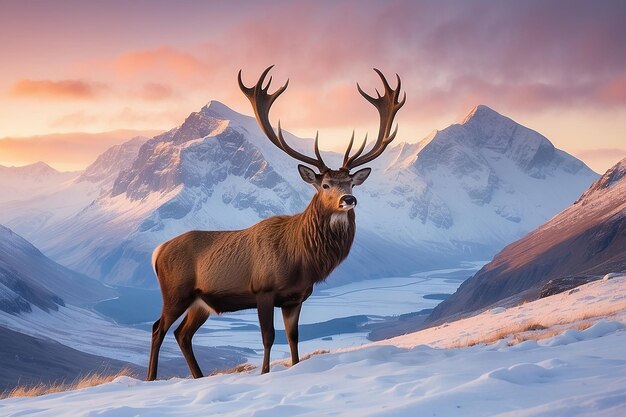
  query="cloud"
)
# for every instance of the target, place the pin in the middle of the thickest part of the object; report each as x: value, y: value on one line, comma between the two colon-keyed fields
x: 526, y: 57
x: 130, y: 117
x: 154, y: 92
x: 65, y: 151
x: 58, y: 90
x: 163, y: 59
x: 74, y: 120
x: 511, y: 55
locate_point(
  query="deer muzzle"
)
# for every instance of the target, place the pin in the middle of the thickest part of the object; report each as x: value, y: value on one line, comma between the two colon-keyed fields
x: 347, y: 202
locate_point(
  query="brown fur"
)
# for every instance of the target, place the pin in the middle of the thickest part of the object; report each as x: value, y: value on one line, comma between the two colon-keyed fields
x: 277, y: 261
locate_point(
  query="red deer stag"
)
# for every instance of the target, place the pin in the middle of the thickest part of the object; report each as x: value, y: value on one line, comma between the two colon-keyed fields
x: 276, y: 262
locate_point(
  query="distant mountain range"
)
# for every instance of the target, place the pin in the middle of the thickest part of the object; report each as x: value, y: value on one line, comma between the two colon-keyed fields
x: 462, y: 193
x: 586, y: 239
x: 28, y: 278
x: 30, y: 181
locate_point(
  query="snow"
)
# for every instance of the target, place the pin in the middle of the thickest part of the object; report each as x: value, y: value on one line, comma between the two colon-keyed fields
x: 576, y: 373
x: 595, y: 297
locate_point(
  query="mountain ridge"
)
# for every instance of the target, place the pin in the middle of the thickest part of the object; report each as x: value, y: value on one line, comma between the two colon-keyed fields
x: 425, y: 205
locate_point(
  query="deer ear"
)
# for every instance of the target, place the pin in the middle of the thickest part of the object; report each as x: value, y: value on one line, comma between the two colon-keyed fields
x: 307, y: 174
x: 360, y: 176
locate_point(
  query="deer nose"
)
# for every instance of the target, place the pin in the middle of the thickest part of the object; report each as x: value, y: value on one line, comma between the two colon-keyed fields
x: 348, y: 199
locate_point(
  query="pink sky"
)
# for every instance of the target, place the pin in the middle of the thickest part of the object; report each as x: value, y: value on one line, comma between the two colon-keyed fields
x: 88, y: 66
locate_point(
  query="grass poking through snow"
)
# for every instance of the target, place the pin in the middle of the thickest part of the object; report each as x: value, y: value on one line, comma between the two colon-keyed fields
x: 86, y: 381
x: 538, y: 331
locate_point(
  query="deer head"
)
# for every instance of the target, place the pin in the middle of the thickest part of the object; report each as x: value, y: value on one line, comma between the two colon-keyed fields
x: 334, y: 187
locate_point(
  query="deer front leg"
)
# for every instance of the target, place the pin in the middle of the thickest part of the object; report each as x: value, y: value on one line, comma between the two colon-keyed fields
x: 291, y: 315
x: 265, y: 308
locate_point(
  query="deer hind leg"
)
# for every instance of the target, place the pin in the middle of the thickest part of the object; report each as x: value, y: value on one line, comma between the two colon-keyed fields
x: 159, y: 330
x: 195, y: 318
x: 291, y: 315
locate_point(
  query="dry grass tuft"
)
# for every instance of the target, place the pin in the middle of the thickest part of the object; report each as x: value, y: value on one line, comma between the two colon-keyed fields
x: 502, y: 333
x: 522, y: 337
x: 287, y: 362
x: 247, y: 367
x: 90, y: 380
x: 605, y: 312
x: 239, y: 369
x: 547, y: 328
x: 315, y: 353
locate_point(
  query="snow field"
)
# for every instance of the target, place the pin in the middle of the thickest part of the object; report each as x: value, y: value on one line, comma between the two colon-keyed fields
x: 576, y: 373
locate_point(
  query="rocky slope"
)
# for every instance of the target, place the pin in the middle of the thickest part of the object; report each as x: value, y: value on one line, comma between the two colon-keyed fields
x: 588, y: 238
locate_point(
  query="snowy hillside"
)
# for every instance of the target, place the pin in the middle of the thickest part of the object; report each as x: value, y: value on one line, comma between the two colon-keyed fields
x: 28, y: 279
x: 586, y: 239
x: 460, y: 194
x: 572, y: 366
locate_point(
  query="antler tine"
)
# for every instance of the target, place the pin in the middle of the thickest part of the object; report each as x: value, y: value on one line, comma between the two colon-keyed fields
x: 318, y: 155
x: 387, y: 106
x: 261, y: 102
x: 346, y: 156
x: 348, y: 163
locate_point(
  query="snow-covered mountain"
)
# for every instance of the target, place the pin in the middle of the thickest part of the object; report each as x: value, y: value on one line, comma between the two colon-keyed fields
x: 63, y: 195
x: 105, y: 169
x: 28, y: 278
x: 460, y: 194
x: 29, y: 181
x: 588, y: 238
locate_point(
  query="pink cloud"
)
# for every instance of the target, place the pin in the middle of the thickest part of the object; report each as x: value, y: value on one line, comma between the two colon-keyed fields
x: 614, y: 91
x: 155, y: 92
x: 58, y: 90
x: 164, y: 58
x: 66, y: 151
x: 530, y: 56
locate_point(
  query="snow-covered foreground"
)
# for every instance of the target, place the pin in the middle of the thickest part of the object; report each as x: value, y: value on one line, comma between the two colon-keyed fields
x: 576, y: 373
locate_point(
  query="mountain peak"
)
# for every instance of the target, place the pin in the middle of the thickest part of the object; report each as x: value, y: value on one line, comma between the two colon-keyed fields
x: 35, y: 169
x: 481, y: 113
x: 613, y: 176
x: 219, y: 110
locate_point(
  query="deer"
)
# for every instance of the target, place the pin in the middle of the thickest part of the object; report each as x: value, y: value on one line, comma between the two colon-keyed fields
x: 276, y: 262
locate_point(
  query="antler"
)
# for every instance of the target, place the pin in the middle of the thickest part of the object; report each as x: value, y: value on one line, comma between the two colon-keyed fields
x: 261, y: 103
x: 387, y: 106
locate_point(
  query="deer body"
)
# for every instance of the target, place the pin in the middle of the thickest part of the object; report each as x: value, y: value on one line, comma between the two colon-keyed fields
x: 274, y: 263
x: 280, y: 255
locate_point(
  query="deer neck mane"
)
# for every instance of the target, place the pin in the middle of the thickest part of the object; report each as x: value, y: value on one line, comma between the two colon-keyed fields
x: 326, y: 237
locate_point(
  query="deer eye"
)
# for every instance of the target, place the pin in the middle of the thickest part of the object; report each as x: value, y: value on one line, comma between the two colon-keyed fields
x: 325, y: 186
